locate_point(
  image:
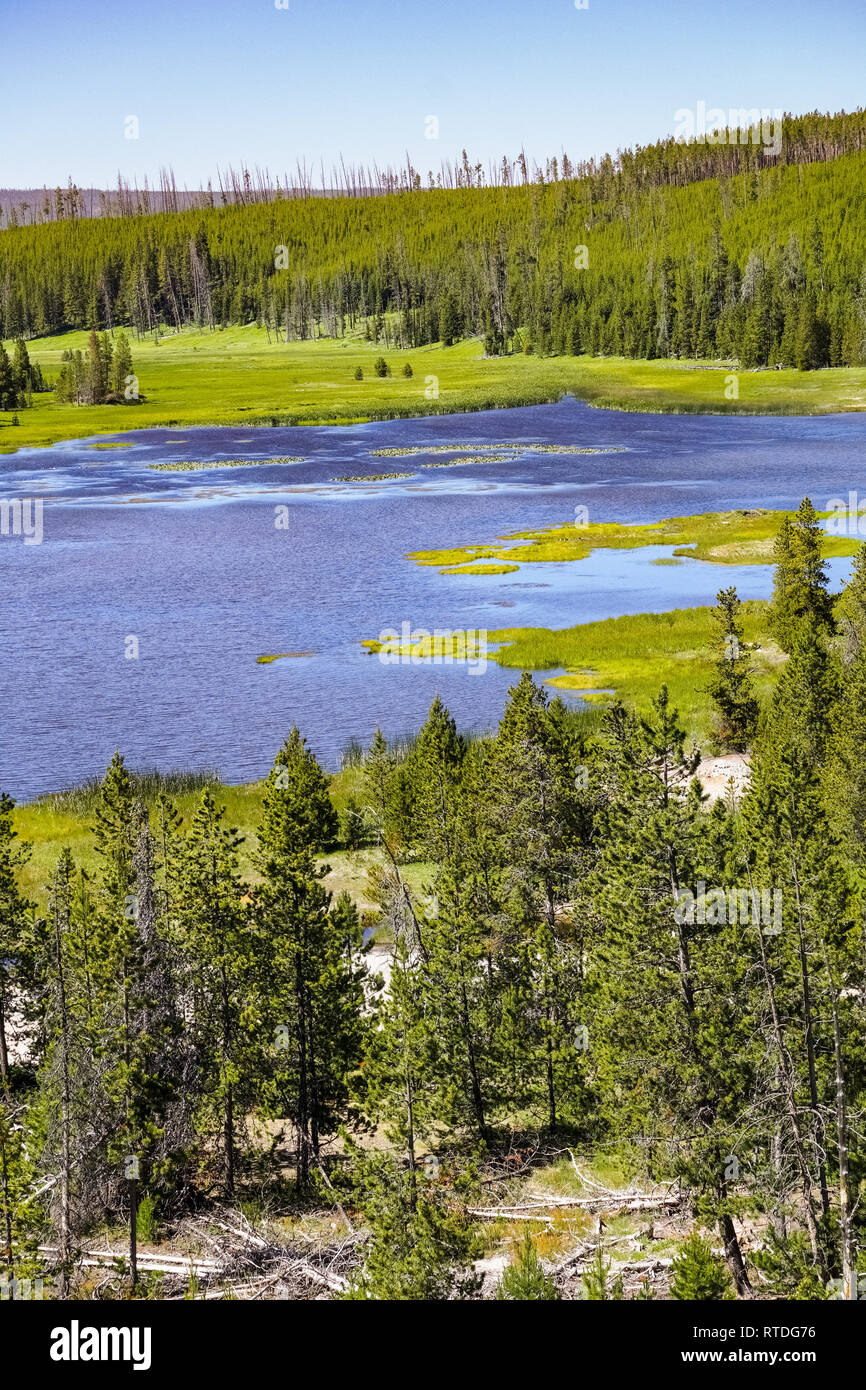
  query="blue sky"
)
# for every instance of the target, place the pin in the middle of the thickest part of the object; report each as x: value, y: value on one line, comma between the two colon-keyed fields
x: 214, y: 82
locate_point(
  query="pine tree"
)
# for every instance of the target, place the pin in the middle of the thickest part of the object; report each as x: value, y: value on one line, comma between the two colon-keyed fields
x: 353, y: 824
x: 421, y: 1244
x: 398, y: 1071
x: 133, y: 996
x: 24, y: 374
x: 698, y: 1274
x: 540, y: 823
x: 71, y: 1117
x: 121, y: 367
x: 597, y: 1284
x: 731, y: 687
x: 378, y: 780
x: 804, y: 967
x: 800, y: 586
x: 435, y: 768
x: 19, y: 1260
x: 845, y: 776
x: 668, y: 1038
x: 526, y: 1279
x: 97, y: 376
x: 315, y: 980
x: 220, y: 983
x: 807, y: 343
x: 455, y: 997
x: 8, y: 383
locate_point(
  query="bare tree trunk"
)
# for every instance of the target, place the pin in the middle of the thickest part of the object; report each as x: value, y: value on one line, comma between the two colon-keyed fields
x: 230, y: 1141
x: 733, y: 1253
x: 734, y: 1256
x: 785, y: 1068
x: 64, y: 1235
x: 4, y: 1051
x: 846, y: 1213
x: 477, y: 1099
x: 303, y: 1118
x: 7, y: 1205
x: 808, y: 1018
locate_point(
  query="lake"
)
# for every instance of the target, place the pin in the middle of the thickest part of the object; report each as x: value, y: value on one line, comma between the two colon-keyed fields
x: 194, y: 567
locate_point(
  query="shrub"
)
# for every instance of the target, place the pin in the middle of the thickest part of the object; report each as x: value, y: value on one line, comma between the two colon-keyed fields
x: 698, y: 1274
x: 526, y: 1278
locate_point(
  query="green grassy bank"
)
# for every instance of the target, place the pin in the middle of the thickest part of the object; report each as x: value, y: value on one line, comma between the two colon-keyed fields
x: 237, y: 376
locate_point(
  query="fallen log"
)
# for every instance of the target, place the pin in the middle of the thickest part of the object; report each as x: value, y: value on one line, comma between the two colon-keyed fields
x: 632, y: 1266
x: 158, y: 1264
x: 527, y: 1210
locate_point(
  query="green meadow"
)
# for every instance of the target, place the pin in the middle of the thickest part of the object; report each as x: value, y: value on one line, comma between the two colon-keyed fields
x: 238, y: 376
x: 66, y: 820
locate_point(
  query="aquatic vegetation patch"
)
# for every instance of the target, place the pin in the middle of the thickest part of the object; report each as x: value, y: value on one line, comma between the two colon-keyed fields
x: 626, y: 658
x: 634, y: 655
x: 279, y: 656
x: 437, y: 646
x: 480, y: 569
x: 744, y: 537
x: 196, y: 465
x: 507, y: 449
x: 370, y: 477
x: 469, y: 458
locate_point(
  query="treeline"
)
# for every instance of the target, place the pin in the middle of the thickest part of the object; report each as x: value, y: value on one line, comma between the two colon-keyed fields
x: 19, y: 377
x: 600, y: 953
x: 715, y: 251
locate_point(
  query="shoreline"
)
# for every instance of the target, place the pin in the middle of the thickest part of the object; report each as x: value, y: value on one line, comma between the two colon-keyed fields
x: 310, y: 384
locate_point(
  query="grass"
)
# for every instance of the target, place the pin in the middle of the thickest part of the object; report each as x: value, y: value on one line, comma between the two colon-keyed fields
x: 726, y: 538
x: 629, y: 657
x: 65, y: 820
x: 634, y: 655
x: 235, y: 376
x: 279, y: 656
x: 480, y: 569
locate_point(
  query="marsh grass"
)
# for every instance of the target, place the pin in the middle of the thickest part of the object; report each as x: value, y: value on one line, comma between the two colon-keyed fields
x: 480, y: 569
x: 634, y: 655
x: 147, y: 783
x: 742, y: 537
x: 65, y: 819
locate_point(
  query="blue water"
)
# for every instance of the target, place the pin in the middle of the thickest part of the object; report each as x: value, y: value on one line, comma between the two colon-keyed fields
x: 193, y: 566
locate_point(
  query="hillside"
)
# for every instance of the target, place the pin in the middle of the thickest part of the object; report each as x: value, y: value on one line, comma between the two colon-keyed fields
x: 646, y: 256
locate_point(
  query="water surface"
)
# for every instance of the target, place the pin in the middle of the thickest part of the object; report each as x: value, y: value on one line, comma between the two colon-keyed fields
x: 194, y: 567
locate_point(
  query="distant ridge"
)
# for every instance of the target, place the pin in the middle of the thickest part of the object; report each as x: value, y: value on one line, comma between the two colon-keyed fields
x: 812, y: 138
